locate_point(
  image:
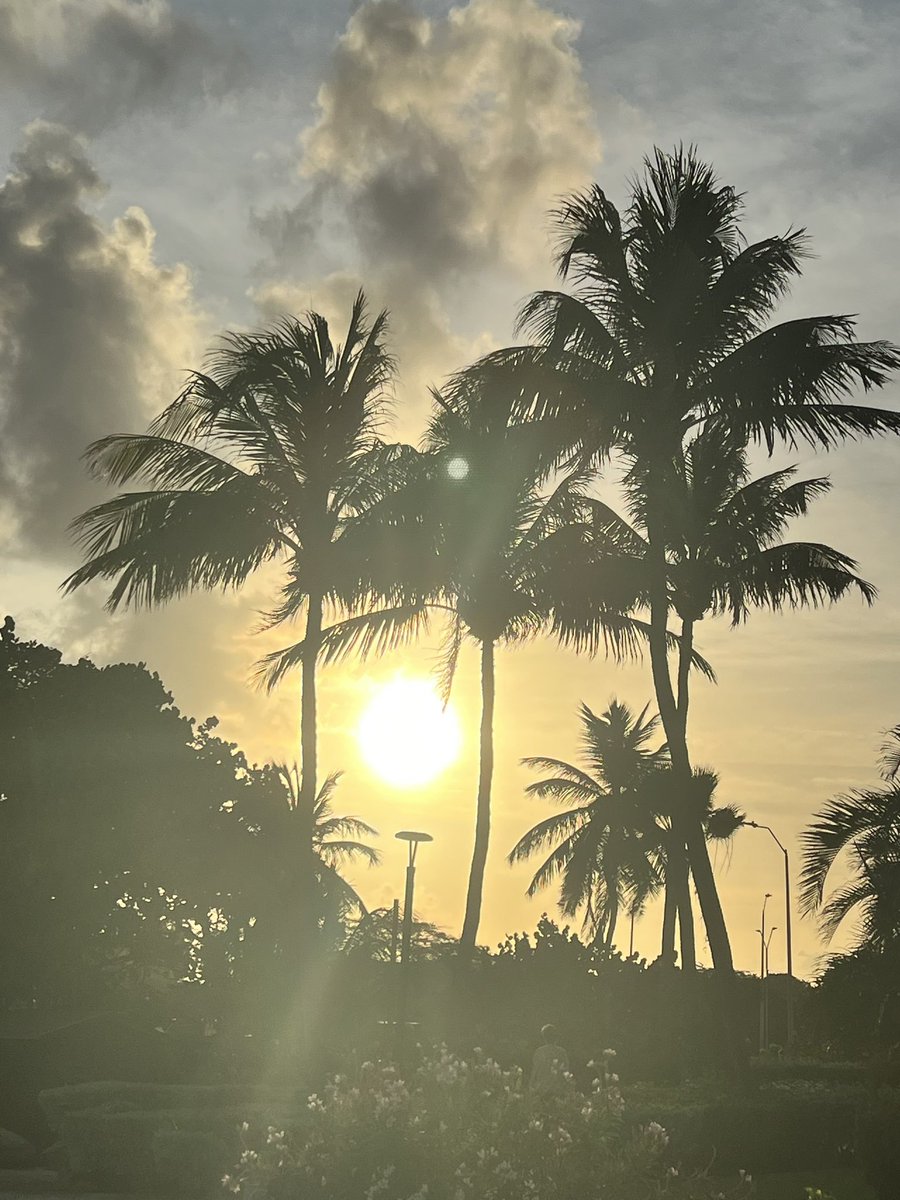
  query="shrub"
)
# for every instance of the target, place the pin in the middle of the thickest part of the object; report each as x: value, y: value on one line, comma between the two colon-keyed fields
x: 766, y: 1131
x: 463, y: 1130
x: 190, y: 1162
x: 123, y: 1150
x: 878, y: 1142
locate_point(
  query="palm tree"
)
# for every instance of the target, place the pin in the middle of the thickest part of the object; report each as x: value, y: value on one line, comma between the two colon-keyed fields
x: 724, y: 554
x: 859, y: 832
x: 335, y: 842
x: 667, y: 331
x: 266, y: 456
x: 601, y: 851
x: 472, y: 532
x: 617, y: 847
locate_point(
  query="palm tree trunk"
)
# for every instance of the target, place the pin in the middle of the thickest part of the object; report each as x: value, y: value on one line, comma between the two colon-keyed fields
x: 685, y: 912
x: 308, y: 731
x: 483, y: 803
x: 707, y: 893
x: 613, y: 920
x: 306, y: 799
x: 685, y: 651
x: 670, y: 912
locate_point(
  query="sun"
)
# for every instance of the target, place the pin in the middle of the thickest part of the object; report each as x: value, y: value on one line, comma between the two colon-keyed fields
x: 405, y: 734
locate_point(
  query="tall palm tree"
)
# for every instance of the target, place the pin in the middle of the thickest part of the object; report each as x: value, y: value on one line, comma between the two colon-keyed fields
x: 858, y: 832
x: 475, y: 532
x: 725, y: 553
x: 266, y: 456
x: 603, y: 851
x: 668, y: 329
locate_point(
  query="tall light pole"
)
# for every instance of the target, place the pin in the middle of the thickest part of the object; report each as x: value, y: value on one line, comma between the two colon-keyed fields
x: 763, y: 955
x: 766, y: 990
x: 787, y: 928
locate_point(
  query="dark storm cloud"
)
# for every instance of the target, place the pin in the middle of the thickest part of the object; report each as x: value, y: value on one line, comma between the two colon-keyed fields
x: 92, y: 63
x: 92, y: 332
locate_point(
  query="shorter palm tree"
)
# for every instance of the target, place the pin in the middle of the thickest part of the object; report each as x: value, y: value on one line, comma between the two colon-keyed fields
x: 860, y: 832
x: 302, y: 856
x: 618, y: 847
x: 605, y: 851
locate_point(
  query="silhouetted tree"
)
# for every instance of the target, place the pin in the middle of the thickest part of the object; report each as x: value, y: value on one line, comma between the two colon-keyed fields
x: 667, y: 331
x: 265, y: 456
x: 860, y: 830
x: 470, y: 528
x: 278, y: 861
x: 119, y: 860
x: 724, y: 556
x: 601, y: 851
x: 617, y: 848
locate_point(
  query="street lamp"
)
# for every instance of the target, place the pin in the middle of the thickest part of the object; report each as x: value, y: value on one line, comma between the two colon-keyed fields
x: 787, y: 928
x: 763, y: 964
x: 413, y: 839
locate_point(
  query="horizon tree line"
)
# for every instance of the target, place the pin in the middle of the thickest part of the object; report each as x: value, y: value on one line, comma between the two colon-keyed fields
x: 661, y: 359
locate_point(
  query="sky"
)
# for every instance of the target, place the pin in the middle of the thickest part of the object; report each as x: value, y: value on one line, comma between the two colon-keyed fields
x: 175, y: 168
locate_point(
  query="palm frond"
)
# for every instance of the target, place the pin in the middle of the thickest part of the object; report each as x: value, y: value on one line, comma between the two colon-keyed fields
x: 364, y: 634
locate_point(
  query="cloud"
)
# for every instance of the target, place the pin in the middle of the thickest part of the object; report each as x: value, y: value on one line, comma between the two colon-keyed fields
x: 93, y: 334
x: 438, y: 146
x: 95, y: 62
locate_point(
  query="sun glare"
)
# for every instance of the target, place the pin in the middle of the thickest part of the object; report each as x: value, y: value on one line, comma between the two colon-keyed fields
x: 405, y: 734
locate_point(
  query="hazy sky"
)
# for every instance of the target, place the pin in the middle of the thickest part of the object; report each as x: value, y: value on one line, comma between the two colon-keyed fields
x: 177, y: 167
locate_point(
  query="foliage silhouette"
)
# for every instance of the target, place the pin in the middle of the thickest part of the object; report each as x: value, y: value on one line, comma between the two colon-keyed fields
x: 601, y: 850
x: 615, y: 850
x: 140, y: 852
x: 268, y: 455
x: 725, y: 555
x: 860, y: 829
x: 666, y: 331
x: 488, y: 549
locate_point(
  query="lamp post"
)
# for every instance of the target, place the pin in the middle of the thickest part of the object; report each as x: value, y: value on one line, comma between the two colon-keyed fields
x: 763, y: 955
x: 766, y: 991
x: 412, y: 838
x: 789, y: 955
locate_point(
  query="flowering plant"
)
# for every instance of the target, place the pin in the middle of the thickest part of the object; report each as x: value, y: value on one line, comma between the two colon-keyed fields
x: 458, y: 1129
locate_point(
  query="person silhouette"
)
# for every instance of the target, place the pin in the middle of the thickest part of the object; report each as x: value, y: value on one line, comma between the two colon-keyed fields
x: 549, y: 1065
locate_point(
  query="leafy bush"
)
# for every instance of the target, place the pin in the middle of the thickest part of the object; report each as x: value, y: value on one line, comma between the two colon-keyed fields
x: 766, y: 1131
x: 189, y: 1162
x: 464, y: 1130
x: 878, y: 1142
x: 125, y: 1150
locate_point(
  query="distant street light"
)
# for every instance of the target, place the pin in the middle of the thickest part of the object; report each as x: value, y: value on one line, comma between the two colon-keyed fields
x: 787, y: 928
x: 763, y: 963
